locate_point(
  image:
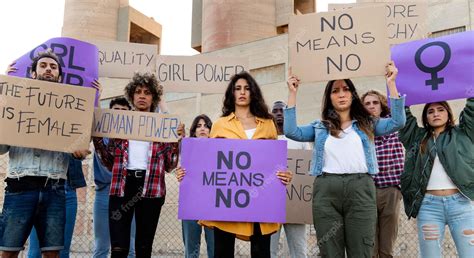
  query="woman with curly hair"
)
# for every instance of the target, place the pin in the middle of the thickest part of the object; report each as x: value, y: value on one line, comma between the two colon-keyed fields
x: 344, y: 160
x: 138, y: 175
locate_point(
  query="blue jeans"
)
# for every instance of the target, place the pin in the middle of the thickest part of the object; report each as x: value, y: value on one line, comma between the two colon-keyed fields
x: 43, y: 208
x: 71, y: 211
x: 436, y: 212
x: 101, y: 225
x: 296, y: 238
x: 192, y: 239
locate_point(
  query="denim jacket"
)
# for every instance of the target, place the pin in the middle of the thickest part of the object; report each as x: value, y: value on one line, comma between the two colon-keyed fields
x: 36, y: 162
x: 316, y: 132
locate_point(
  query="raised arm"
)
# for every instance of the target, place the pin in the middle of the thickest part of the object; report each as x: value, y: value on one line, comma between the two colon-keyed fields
x: 467, y: 118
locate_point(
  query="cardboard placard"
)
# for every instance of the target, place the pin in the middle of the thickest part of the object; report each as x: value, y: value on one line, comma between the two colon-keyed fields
x: 436, y: 69
x: 45, y: 115
x: 406, y: 21
x: 232, y: 180
x: 199, y: 73
x: 123, y: 59
x: 299, y: 194
x: 339, y: 45
x: 134, y: 125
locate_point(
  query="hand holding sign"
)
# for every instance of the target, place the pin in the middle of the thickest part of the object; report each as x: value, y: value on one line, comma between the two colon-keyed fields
x: 285, y: 176
x: 293, y: 83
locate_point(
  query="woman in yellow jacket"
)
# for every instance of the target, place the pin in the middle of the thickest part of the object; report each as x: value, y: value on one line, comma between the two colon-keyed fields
x: 244, y: 116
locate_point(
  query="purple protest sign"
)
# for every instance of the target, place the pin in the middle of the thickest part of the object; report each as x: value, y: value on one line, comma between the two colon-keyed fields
x: 232, y: 180
x: 78, y: 59
x: 436, y: 69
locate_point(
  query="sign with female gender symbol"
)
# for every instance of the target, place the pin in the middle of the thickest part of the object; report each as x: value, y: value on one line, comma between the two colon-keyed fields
x: 436, y: 69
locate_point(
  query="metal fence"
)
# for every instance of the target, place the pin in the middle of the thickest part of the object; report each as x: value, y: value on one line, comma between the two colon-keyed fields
x: 168, y: 238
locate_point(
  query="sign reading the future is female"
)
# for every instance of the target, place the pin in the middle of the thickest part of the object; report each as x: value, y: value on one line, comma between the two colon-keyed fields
x: 232, y: 180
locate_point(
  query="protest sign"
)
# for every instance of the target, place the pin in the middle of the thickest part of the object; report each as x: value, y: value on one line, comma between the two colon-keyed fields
x: 45, y: 115
x: 406, y: 21
x: 199, y: 73
x: 436, y: 69
x: 134, y: 125
x: 339, y: 44
x: 232, y: 180
x: 123, y: 59
x: 299, y: 193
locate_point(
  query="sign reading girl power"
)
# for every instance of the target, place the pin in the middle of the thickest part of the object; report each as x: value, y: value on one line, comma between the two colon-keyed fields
x: 436, y: 69
x: 232, y: 180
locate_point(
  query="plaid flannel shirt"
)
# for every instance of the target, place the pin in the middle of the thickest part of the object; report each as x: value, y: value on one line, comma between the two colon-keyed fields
x: 390, y: 158
x: 162, y: 157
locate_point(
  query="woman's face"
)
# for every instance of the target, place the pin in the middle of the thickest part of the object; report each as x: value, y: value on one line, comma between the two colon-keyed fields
x: 341, y: 96
x: 242, y: 93
x: 437, y: 115
x: 202, y: 131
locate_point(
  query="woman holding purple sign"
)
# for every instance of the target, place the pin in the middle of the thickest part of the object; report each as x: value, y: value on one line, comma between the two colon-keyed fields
x: 200, y: 128
x: 244, y: 116
x: 344, y: 204
x: 438, y: 181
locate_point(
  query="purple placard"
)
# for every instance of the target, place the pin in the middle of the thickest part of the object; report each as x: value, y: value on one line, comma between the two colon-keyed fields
x: 436, y: 69
x: 78, y: 59
x: 244, y: 170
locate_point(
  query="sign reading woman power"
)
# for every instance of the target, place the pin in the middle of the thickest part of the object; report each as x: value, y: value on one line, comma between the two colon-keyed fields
x: 436, y: 69
x: 232, y: 180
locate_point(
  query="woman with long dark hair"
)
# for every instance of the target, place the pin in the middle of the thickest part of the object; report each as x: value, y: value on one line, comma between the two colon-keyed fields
x: 200, y: 128
x: 244, y: 116
x: 344, y: 207
x: 438, y: 180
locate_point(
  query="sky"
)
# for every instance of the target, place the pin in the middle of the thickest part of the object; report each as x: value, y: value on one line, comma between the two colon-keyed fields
x: 24, y: 28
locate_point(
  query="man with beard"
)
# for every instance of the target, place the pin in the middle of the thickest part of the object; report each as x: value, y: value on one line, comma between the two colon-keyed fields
x: 35, y: 192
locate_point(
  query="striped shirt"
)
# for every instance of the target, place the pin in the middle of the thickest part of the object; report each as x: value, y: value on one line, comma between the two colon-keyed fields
x: 390, y: 158
x: 161, y: 157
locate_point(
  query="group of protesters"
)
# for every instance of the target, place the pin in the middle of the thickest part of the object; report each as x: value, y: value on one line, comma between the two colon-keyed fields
x: 366, y: 157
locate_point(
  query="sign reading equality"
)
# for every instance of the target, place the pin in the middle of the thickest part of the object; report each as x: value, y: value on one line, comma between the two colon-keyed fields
x: 199, y: 73
x: 338, y: 45
x: 232, y: 180
x: 45, y: 115
x: 436, y: 69
x: 134, y: 125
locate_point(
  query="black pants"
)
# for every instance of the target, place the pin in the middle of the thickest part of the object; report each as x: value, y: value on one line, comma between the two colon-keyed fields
x: 224, y: 243
x: 121, y: 210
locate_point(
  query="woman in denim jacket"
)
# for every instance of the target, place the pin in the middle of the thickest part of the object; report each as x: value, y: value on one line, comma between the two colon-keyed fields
x: 344, y: 205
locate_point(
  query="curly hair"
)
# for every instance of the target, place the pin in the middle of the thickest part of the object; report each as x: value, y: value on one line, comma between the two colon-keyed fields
x: 258, y: 107
x: 149, y: 81
x: 207, y: 122
x: 331, y: 118
x: 46, y: 54
x: 383, y: 101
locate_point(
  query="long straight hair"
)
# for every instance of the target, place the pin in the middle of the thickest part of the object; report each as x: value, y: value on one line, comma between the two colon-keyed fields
x: 429, y: 129
x: 331, y: 118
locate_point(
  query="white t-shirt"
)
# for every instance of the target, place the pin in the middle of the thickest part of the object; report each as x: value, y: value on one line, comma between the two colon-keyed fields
x: 250, y: 133
x: 439, y: 179
x: 137, y: 154
x: 345, y: 154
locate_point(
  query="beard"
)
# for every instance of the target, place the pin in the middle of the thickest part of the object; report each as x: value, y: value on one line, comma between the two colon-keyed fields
x: 49, y: 79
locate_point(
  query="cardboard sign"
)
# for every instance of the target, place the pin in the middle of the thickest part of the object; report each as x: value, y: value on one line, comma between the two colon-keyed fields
x: 134, y: 125
x: 339, y: 45
x: 232, y: 180
x: 204, y: 74
x: 406, y: 21
x: 78, y: 60
x: 123, y: 59
x: 436, y: 69
x: 45, y: 115
x: 299, y: 194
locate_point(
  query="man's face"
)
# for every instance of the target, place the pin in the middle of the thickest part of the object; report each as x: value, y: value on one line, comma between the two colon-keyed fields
x: 142, y: 99
x: 277, y: 112
x: 120, y: 107
x: 47, y: 69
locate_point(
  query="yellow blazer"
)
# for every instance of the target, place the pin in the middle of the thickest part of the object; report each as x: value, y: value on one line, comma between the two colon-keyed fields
x: 231, y: 128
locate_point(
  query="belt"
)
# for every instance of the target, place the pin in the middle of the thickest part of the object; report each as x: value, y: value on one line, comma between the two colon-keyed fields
x: 137, y: 173
x: 344, y: 174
